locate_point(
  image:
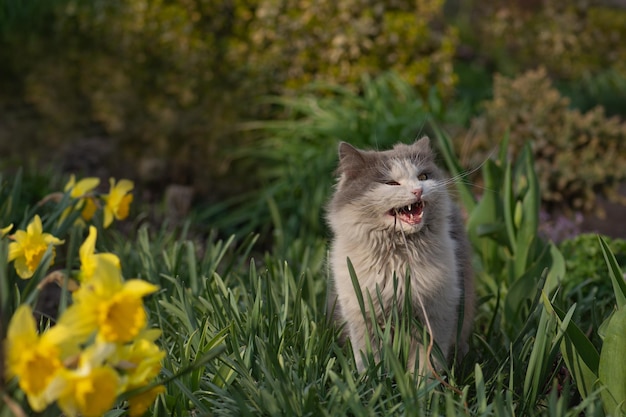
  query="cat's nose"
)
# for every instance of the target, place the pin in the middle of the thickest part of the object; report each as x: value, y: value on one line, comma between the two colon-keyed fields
x: 417, y: 192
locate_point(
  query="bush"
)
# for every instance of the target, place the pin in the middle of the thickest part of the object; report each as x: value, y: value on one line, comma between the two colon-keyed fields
x: 584, y: 260
x: 572, y: 39
x: 148, y: 80
x: 297, y: 41
x: 577, y: 155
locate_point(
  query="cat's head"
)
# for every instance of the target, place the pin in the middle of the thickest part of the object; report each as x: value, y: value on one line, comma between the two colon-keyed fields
x: 399, y: 190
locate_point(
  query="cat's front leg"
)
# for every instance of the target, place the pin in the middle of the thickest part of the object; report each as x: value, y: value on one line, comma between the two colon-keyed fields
x: 359, y: 332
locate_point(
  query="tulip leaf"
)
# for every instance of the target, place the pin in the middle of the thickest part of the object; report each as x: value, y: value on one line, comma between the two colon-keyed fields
x: 612, y: 367
x: 617, y: 277
x: 581, y: 357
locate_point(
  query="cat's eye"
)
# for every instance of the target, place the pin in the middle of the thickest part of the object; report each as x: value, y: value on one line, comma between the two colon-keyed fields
x: 392, y: 183
x: 423, y: 176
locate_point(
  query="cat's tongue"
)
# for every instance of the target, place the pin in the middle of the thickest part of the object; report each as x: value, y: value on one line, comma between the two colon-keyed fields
x: 411, y: 214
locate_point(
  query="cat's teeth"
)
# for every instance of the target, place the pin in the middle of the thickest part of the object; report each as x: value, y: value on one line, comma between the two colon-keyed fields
x: 410, y: 208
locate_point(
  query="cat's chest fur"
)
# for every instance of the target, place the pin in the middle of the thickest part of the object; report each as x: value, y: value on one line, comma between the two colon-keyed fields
x: 387, y: 266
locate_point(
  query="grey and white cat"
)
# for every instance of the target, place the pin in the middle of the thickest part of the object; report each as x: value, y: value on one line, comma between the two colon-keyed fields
x: 391, y: 215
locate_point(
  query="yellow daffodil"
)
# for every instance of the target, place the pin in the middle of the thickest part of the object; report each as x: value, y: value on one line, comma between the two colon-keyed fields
x: 138, y: 404
x: 5, y: 230
x: 90, y: 395
x: 141, y: 362
x: 122, y: 316
x: 35, y: 360
x: 104, y: 303
x: 92, y: 263
x: 29, y: 247
x: 109, y: 306
x: 92, y: 388
x: 81, y: 190
x: 141, y: 359
x: 117, y: 202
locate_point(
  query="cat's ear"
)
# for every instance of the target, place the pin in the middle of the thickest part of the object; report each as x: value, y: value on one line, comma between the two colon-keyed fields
x: 422, y: 144
x: 350, y: 160
x: 421, y: 149
x: 347, y: 151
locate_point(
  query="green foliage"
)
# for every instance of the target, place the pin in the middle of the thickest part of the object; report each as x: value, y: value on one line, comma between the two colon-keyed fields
x: 498, y: 245
x: 530, y: 110
x: 606, y: 88
x: 584, y: 259
x: 502, y: 227
x: 599, y: 370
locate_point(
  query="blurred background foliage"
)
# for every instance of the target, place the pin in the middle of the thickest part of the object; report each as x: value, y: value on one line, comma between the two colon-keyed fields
x: 157, y: 87
x: 176, y: 92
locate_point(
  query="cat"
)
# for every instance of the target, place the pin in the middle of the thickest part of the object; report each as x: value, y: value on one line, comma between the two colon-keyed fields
x: 391, y: 215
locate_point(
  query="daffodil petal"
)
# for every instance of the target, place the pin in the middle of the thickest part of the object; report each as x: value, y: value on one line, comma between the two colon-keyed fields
x: 80, y: 319
x: 139, y: 288
x: 89, y: 245
x: 15, y: 250
x: 66, y: 338
x: 150, y: 334
x: 22, y: 328
x: 138, y: 404
x: 5, y: 230
x: 22, y: 269
x: 123, y: 186
x: 89, y: 209
x: 35, y: 227
x: 51, y: 240
x: 70, y: 183
x: 87, y: 394
x: 107, y: 277
x: 84, y: 186
x: 108, y: 217
x: 96, y: 354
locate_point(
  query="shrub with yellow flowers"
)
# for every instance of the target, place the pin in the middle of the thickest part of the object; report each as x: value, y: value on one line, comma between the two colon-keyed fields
x: 100, y: 352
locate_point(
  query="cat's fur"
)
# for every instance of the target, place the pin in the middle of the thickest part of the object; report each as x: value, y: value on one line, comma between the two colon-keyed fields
x: 364, y: 214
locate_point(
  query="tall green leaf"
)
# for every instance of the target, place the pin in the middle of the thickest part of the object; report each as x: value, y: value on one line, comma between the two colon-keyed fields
x: 581, y: 357
x: 612, y: 367
x: 617, y: 277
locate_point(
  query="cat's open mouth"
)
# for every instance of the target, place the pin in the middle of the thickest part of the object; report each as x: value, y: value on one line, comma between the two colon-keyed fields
x: 411, y: 214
